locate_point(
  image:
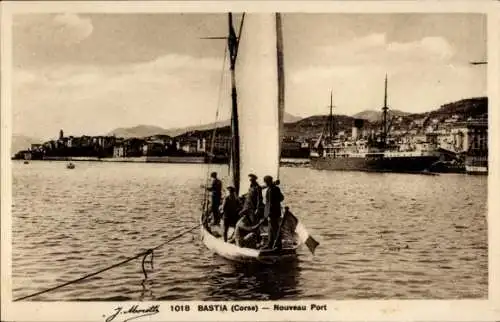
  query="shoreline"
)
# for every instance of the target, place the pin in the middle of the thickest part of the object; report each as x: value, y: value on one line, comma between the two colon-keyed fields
x: 286, y: 162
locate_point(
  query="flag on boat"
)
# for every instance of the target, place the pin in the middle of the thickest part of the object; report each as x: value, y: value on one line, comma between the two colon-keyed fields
x: 292, y: 224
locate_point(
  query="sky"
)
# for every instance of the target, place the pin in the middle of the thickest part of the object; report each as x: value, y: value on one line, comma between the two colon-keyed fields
x: 92, y: 73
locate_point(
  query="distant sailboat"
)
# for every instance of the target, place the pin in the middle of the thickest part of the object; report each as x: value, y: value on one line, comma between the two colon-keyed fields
x: 256, y: 126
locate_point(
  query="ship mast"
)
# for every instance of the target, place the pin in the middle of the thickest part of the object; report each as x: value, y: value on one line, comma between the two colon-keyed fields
x: 232, y: 43
x: 331, y: 125
x: 384, y: 115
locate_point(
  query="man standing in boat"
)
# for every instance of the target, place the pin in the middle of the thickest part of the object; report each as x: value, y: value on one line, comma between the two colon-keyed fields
x: 253, y: 201
x: 230, y: 210
x: 272, y: 211
x: 216, y: 189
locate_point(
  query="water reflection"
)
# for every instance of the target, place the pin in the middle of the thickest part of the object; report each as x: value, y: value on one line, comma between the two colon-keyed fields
x: 253, y: 281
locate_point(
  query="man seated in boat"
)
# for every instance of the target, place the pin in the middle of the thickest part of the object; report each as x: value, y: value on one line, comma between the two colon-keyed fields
x: 230, y: 208
x: 216, y: 190
x: 272, y: 212
x: 253, y: 201
x: 245, y: 234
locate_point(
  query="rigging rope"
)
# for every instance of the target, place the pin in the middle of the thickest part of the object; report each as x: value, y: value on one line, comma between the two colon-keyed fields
x: 144, y: 253
x: 150, y: 251
x: 212, y: 141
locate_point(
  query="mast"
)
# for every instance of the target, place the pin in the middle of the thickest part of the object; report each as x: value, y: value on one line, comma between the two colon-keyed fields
x: 281, y: 78
x: 331, y: 125
x: 384, y: 115
x: 232, y: 43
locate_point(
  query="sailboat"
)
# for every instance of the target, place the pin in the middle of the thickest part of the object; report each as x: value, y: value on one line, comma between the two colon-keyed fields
x: 257, y: 96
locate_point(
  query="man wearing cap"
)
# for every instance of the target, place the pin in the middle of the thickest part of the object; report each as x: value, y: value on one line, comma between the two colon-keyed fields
x: 253, y: 201
x: 216, y: 189
x: 230, y: 210
x: 272, y: 211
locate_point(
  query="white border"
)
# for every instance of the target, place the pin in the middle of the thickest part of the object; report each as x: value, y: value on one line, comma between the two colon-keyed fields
x: 391, y: 310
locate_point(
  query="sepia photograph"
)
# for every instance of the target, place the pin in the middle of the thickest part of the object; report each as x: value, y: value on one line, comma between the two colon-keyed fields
x: 263, y: 157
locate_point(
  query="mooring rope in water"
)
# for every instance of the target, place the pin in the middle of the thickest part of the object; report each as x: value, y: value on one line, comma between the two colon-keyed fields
x: 145, y: 254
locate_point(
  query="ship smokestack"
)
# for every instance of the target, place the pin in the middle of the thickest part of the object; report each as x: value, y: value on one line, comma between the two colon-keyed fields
x: 354, y: 133
x: 356, y: 128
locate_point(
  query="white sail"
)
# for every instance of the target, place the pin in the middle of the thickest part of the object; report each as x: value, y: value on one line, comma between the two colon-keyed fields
x: 258, y: 100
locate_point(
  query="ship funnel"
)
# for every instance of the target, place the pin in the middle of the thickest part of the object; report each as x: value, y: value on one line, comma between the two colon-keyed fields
x: 356, y: 127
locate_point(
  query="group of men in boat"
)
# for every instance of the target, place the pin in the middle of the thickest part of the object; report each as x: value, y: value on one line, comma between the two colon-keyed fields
x: 248, y: 213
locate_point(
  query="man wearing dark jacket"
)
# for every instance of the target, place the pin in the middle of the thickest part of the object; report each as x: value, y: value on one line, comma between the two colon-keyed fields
x: 230, y: 210
x: 253, y: 200
x: 272, y: 211
x: 216, y: 189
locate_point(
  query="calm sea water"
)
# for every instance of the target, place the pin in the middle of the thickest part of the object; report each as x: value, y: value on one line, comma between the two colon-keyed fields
x: 383, y: 236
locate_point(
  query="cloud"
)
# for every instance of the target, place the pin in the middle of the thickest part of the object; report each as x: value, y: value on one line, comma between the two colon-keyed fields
x: 170, y: 91
x: 423, y: 74
x: 374, y: 55
x: 72, y: 28
x: 51, y: 31
x: 427, y: 48
x: 375, y: 49
x: 23, y: 77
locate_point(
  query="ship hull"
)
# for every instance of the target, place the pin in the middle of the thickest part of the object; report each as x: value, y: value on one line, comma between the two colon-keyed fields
x: 476, y: 165
x: 380, y: 164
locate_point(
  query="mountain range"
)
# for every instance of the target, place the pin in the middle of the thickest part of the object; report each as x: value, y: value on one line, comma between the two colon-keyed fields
x: 375, y: 116
x: 150, y: 130
x: 294, y: 125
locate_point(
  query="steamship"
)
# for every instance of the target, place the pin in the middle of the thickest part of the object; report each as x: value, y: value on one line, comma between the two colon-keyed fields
x: 374, y: 153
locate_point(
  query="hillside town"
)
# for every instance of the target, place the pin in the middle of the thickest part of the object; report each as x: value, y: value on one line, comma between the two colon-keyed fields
x: 455, y: 129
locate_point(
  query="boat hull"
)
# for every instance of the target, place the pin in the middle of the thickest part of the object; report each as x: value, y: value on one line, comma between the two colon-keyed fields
x: 375, y: 164
x: 476, y: 170
x: 244, y: 255
x: 476, y: 165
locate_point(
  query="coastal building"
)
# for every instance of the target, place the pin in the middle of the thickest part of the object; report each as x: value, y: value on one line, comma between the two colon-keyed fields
x: 23, y: 155
x: 36, y: 147
x: 294, y: 149
x: 221, y: 145
x: 118, y: 151
x: 419, y: 122
x: 477, y: 135
x: 133, y: 147
x: 154, y: 148
x: 189, y: 144
x: 463, y: 136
